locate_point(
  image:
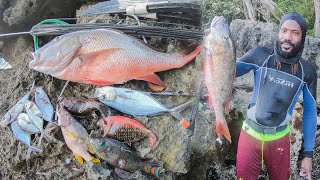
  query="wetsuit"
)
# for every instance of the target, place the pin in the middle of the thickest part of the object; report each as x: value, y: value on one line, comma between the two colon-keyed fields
x: 265, y: 132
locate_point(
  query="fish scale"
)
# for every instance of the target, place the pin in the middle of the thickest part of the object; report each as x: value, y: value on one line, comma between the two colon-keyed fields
x: 126, y: 130
x: 121, y: 156
x: 128, y: 134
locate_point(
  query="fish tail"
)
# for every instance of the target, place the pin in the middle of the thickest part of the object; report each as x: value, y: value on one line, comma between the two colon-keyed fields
x: 47, y: 136
x: 152, y: 169
x: 175, y: 112
x: 32, y: 149
x: 152, y: 139
x: 222, y: 129
x: 191, y: 56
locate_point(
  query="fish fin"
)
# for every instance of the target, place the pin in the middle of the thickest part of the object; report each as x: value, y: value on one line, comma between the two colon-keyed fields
x: 34, y: 149
x: 47, y: 136
x: 106, y: 128
x: 71, y: 136
x: 222, y: 129
x: 90, y: 149
x: 152, y: 169
x: 210, y: 102
x: 228, y: 100
x: 155, y: 87
x: 98, y: 83
x: 121, y: 173
x: 189, y: 57
x: 79, y: 158
x: 97, y: 54
x: 95, y: 160
x: 153, y: 78
x: 152, y: 139
x: 175, y: 112
x: 181, y: 107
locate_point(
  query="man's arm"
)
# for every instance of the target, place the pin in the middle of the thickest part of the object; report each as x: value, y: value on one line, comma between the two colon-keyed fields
x: 246, y: 63
x: 309, y: 123
x: 309, y: 114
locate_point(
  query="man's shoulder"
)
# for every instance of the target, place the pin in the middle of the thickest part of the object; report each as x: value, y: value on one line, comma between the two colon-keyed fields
x: 307, y: 65
x: 309, y: 70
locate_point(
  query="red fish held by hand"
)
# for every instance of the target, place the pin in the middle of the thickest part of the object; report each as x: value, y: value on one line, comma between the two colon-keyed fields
x: 219, y: 69
x: 126, y: 130
x: 104, y: 57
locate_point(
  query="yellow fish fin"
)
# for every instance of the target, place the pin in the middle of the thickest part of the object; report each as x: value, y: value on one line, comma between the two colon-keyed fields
x: 79, y: 158
x: 71, y: 136
x: 95, y: 160
x: 90, y: 149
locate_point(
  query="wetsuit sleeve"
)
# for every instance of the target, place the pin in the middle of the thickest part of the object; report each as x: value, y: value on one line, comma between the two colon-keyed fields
x: 309, y: 114
x: 246, y: 63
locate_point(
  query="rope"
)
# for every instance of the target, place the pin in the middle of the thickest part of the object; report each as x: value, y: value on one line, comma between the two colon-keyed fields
x: 47, y: 21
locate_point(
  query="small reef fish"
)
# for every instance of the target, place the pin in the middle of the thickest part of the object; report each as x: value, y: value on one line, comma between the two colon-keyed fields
x: 26, y: 124
x: 44, y: 104
x: 76, y: 137
x: 23, y: 137
x: 126, y: 130
x: 35, y: 116
x: 14, y: 112
x: 85, y: 107
x: 219, y: 70
x: 121, y: 156
x: 105, y: 57
x: 137, y: 103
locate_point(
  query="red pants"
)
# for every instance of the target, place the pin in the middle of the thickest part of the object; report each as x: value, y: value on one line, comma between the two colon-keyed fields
x: 276, y: 156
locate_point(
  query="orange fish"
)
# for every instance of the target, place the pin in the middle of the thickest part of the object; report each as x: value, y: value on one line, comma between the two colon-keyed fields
x: 126, y: 130
x: 105, y: 57
x: 220, y: 64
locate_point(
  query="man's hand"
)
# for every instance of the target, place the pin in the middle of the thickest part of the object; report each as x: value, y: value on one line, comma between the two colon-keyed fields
x: 306, y: 167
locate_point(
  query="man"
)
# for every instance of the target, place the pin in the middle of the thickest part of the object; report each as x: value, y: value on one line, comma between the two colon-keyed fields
x: 280, y: 75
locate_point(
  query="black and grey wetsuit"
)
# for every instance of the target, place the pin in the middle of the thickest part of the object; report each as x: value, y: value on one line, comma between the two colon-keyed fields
x: 276, y: 92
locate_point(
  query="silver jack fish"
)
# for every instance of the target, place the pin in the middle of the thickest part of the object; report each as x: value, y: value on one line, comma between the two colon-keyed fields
x: 23, y: 137
x: 26, y: 124
x: 44, y: 104
x: 137, y: 103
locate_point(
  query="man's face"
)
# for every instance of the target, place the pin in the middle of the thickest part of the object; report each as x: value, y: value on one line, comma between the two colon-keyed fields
x: 290, y: 36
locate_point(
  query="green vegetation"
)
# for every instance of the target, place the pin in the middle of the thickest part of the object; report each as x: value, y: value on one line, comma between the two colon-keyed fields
x: 230, y: 9
x: 233, y: 9
x: 303, y: 7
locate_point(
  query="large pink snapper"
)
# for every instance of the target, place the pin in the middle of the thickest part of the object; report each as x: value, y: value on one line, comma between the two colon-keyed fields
x: 219, y: 69
x: 104, y: 57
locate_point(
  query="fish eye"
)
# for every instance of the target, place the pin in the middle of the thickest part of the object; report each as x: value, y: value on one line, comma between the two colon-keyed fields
x: 224, y: 37
x: 57, y: 38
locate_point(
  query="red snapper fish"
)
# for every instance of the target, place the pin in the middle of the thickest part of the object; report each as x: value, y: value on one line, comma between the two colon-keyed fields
x: 219, y: 69
x: 104, y: 57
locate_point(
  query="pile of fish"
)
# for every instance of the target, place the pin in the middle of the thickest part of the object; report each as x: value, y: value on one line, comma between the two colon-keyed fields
x: 121, y: 129
x: 26, y: 118
x: 105, y: 57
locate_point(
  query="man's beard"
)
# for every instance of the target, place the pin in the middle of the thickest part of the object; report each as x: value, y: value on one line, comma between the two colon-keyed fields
x: 295, y: 48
